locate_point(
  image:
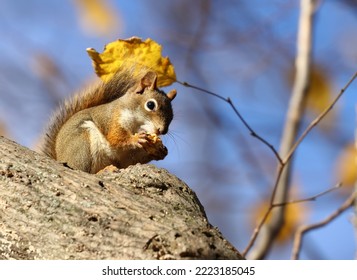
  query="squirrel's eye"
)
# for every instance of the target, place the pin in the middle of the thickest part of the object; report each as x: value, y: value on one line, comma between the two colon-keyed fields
x: 151, y: 105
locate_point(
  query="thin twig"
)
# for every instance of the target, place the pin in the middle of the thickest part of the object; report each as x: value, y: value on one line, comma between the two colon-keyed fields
x: 304, y: 229
x: 277, y: 180
x: 311, y: 198
x: 273, y: 205
x: 202, y: 90
x: 230, y: 102
x: 317, y: 120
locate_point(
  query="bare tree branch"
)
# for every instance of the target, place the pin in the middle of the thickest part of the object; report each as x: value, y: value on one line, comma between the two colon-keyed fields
x: 289, y: 145
x: 304, y: 229
x: 292, y: 125
x: 287, y: 159
x: 283, y: 163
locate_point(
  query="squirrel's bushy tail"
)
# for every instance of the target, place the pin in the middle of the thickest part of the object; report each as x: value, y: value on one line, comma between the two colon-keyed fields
x: 100, y: 94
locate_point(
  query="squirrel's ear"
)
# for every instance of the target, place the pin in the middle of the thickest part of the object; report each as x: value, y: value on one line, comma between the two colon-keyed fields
x: 172, y: 94
x: 148, y: 81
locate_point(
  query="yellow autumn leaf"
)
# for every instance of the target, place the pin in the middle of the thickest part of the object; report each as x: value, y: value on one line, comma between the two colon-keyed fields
x: 294, y: 216
x: 96, y: 16
x: 319, y: 96
x: 133, y: 53
x: 347, y: 166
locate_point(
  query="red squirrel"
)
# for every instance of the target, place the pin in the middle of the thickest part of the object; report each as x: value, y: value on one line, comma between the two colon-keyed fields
x: 116, y: 123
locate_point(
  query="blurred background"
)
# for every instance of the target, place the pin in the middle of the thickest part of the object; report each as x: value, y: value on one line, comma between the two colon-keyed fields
x: 239, y: 49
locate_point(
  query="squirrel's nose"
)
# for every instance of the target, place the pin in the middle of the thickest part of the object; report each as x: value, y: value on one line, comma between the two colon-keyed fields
x: 161, y: 130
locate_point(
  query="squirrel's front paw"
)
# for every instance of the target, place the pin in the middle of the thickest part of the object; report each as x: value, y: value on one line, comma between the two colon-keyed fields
x: 142, y: 139
x: 153, y: 145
